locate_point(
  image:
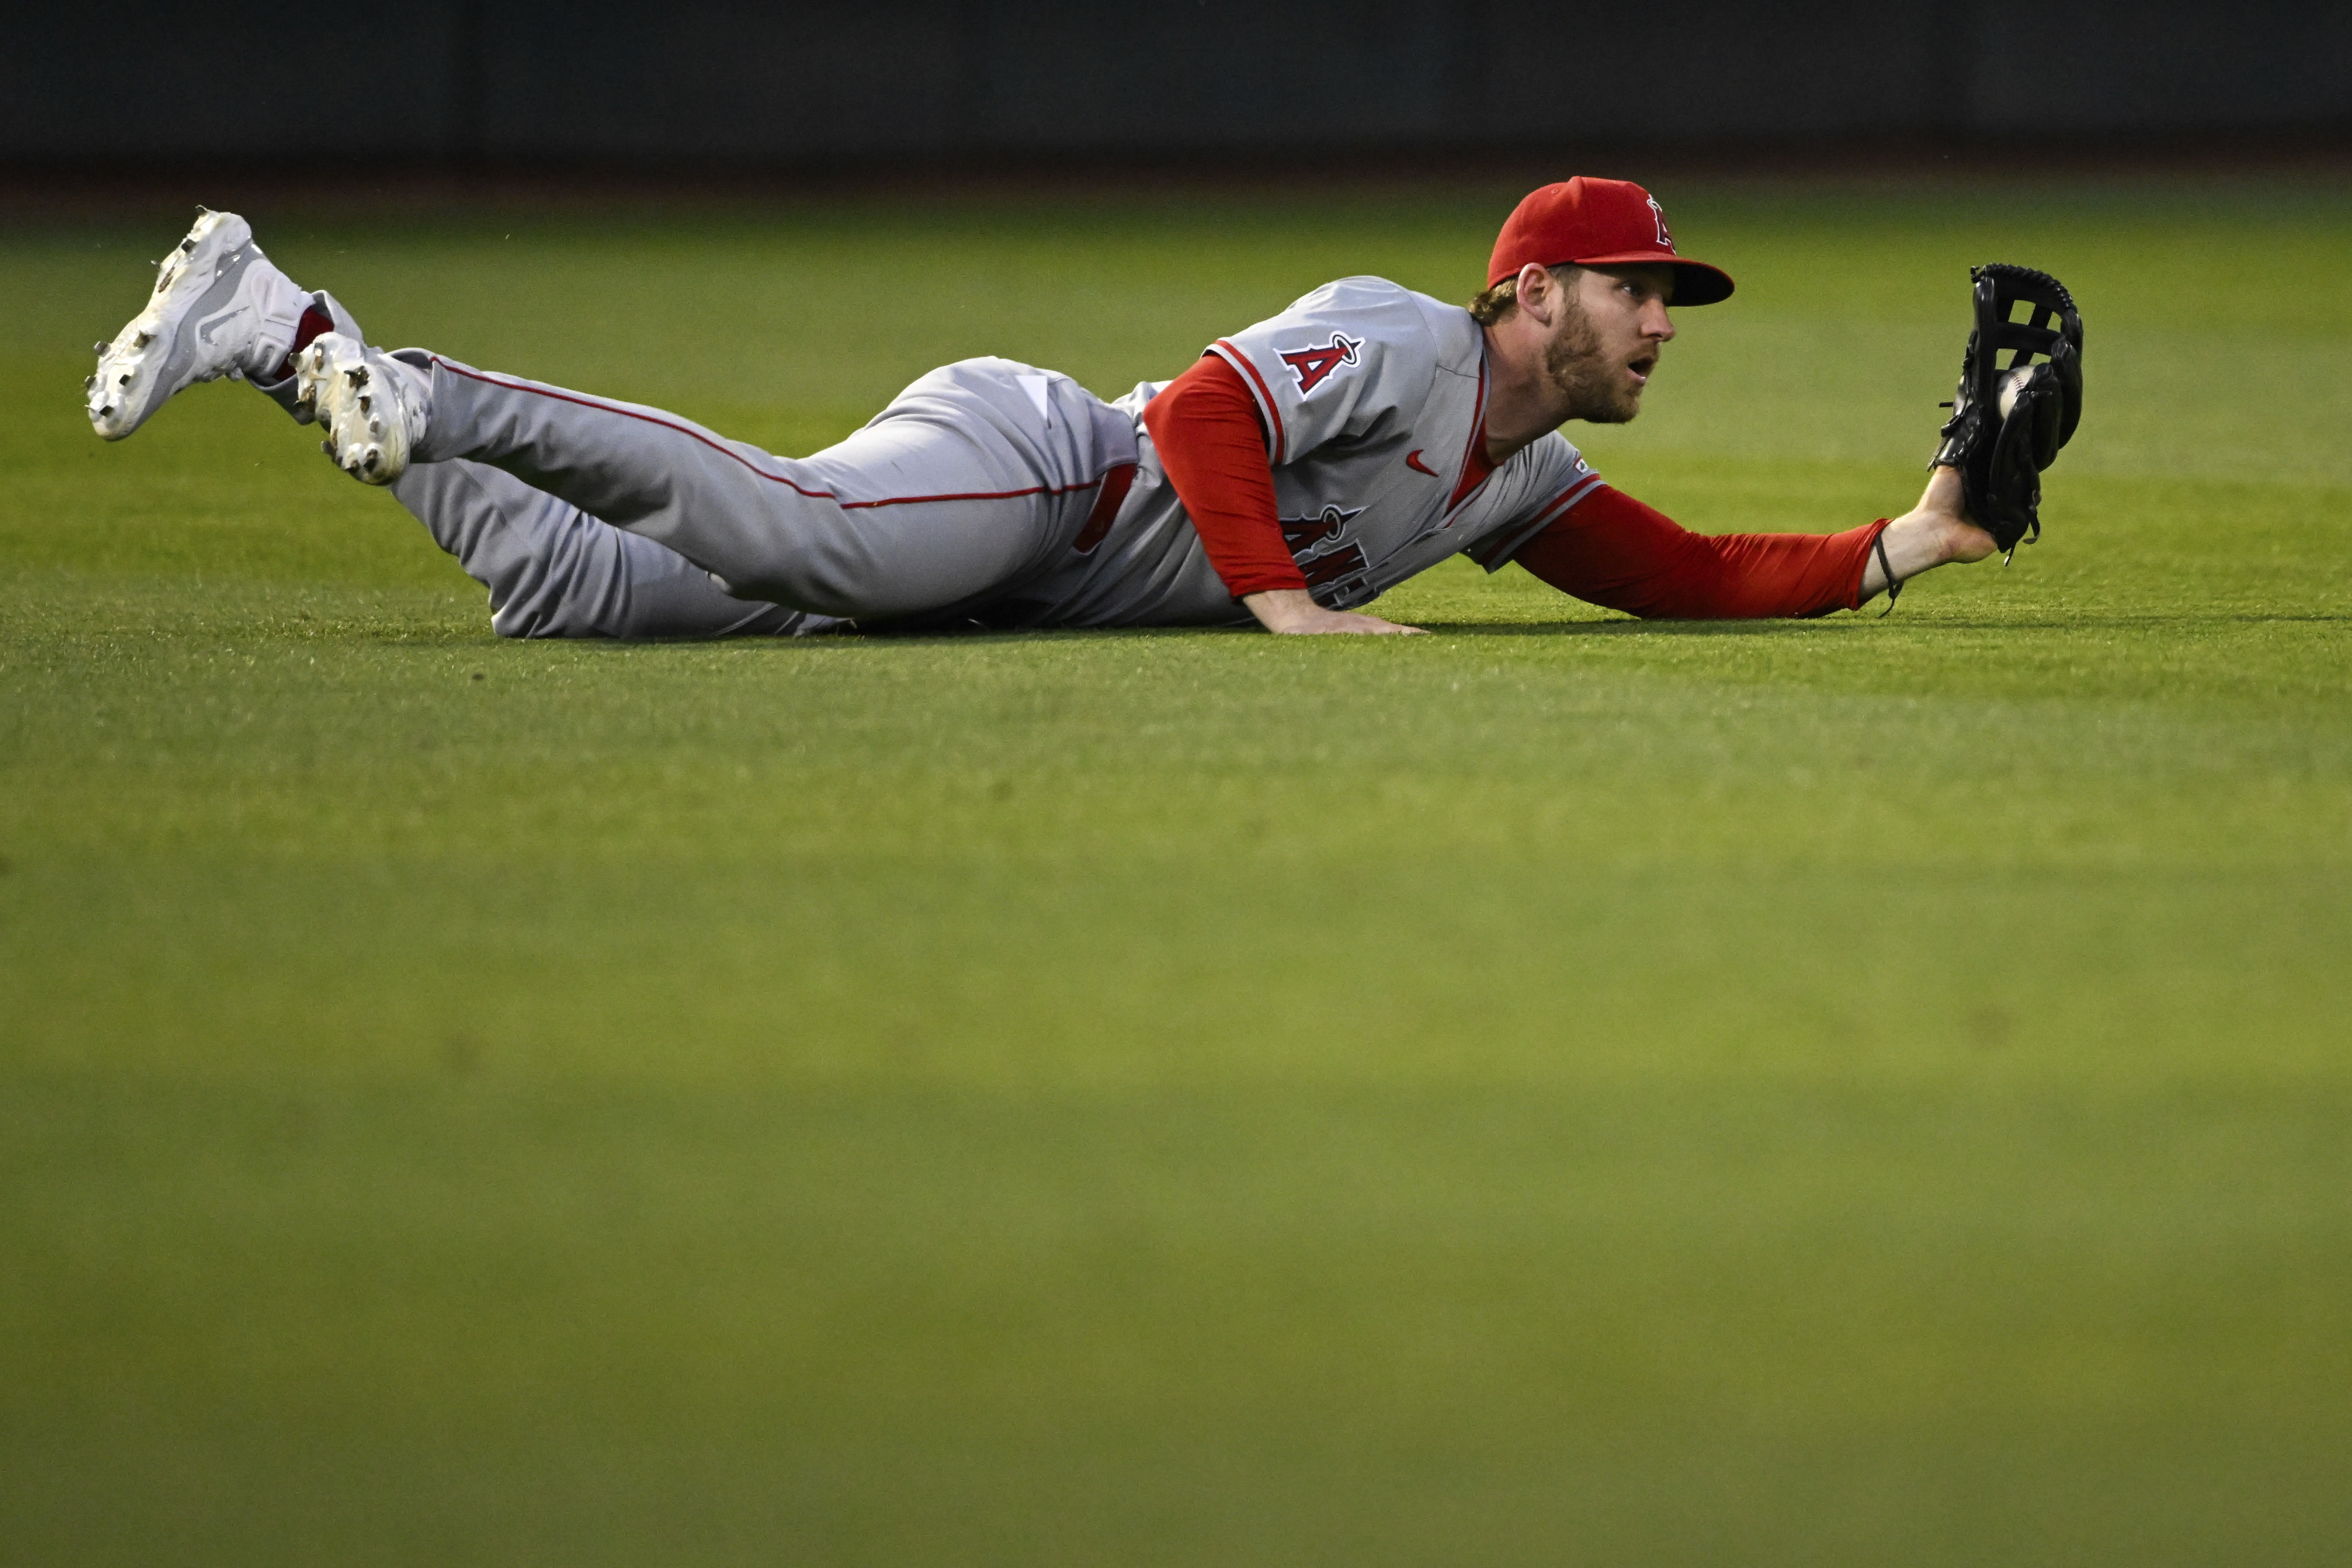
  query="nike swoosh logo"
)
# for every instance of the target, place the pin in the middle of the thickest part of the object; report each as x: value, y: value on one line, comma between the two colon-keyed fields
x: 207, y: 331
x: 1413, y: 460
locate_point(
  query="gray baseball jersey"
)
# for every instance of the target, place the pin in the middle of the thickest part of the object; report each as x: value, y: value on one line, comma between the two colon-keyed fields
x: 988, y: 489
x: 1370, y: 396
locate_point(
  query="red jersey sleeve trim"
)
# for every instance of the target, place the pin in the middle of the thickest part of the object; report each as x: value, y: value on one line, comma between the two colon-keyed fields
x: 1277, y: 441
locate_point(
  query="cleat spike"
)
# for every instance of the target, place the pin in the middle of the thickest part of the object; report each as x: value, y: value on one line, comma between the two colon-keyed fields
x: 189, y: 243
x: 105, y: 410
x: 100, y: 348
x: 124, y: 381
x: 328, y: 447
x: 366, y: 403
x: 357, y: 376
x: 375, y: 426
x: 370, y: 461
x: 89, y: 383
x: 144, y: 339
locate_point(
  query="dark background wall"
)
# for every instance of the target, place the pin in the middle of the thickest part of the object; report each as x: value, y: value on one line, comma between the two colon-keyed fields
x: 954, y: 81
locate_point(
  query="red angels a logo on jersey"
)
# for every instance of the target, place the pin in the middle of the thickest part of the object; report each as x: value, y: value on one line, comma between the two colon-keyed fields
x: 1313, y: 364
x: 1660, y: 214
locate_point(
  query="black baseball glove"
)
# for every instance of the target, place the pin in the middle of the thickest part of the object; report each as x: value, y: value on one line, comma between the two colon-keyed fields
x: 2008, y: 420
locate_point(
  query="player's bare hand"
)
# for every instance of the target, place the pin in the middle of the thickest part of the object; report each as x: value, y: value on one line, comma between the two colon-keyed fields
x: 1293, y: 612
x: 1936, y: 532
x: 1943, y: 503
x: 1942, y: 524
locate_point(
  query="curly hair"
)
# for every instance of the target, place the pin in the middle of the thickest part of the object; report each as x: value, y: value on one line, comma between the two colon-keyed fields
x: 1497, y: 303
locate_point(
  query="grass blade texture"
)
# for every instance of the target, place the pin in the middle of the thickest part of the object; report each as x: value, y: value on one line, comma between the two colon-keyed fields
x: 1564, y: 1090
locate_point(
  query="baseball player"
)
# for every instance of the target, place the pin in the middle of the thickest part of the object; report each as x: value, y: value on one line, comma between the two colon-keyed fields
x: 1300, y: 468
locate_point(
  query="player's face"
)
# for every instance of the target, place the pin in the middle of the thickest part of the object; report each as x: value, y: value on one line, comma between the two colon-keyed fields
x: 1607, y: 343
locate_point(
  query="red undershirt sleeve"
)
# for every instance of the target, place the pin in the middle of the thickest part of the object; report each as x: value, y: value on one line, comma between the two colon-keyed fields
x: 1212, y: 446
x: 1610, y: 550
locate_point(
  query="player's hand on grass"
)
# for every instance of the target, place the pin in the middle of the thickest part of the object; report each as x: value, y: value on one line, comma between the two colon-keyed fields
x: 1294, y: 612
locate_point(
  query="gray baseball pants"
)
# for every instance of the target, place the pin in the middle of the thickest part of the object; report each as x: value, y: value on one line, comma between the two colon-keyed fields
x: 587, y: 516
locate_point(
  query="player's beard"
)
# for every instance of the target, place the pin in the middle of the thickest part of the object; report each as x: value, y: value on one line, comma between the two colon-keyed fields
x: 1592, y: 385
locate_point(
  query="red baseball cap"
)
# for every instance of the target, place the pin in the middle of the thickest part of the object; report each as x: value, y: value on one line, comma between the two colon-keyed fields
x: 1600, y: 223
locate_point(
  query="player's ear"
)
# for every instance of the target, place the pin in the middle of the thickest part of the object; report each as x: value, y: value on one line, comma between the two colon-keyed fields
x: 1537, y: 292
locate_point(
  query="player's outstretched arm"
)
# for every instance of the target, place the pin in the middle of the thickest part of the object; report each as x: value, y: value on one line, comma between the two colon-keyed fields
x: 1609, y: 548
x: 1295, y: 611
x: 1934, y: 533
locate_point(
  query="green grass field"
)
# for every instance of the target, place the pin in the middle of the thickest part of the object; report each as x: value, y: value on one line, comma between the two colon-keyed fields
x: 1560, y: 1090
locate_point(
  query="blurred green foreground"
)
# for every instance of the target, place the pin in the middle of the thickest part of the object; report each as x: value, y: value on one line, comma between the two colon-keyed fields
x: 1561, y: 1090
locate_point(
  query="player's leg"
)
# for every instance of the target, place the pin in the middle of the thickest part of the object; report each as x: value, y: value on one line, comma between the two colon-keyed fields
x: 552, y: 571
x: 977, y: 479
x: 219, y: 308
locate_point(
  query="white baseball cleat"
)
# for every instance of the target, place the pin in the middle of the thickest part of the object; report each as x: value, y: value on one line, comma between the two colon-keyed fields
x: 372, y: 406
x: 220, y: 308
